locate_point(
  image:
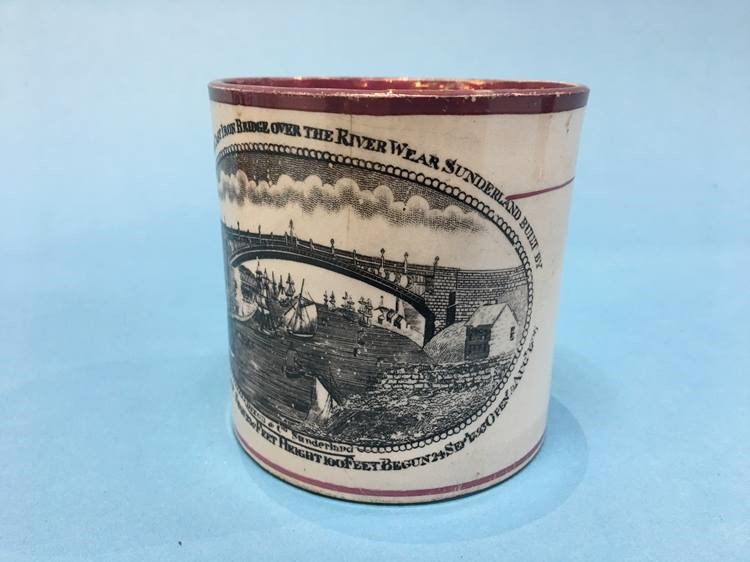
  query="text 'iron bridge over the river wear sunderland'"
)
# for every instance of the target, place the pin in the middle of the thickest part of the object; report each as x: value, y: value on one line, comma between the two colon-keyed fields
x: 442, y: 295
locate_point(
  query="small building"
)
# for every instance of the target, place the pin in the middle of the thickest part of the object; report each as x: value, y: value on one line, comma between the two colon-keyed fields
x: 397, y: 321
x: 382, y: 312
x: 490, y: 331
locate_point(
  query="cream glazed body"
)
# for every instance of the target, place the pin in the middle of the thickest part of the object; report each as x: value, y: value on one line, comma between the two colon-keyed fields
x: 392, y: 287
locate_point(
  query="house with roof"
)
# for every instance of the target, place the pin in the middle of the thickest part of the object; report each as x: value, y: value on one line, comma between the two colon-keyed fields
x: 491, y: 331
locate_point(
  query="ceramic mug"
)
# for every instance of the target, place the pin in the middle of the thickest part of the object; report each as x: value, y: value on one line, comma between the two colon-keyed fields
x: 392, y: 254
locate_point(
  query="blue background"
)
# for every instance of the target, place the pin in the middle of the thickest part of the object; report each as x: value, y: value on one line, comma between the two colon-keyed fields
x: 114, y: 436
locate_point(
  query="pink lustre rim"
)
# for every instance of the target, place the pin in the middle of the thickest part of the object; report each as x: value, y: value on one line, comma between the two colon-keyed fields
x: 400, y: 96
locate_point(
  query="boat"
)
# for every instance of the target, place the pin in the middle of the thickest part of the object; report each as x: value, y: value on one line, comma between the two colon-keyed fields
x: 292, y: 367
x: 289, y: 287
x: 347, y: 307
x: 365, y: 312
x: 322, y: 405
x: 301, y: 319
x: 267, y: 310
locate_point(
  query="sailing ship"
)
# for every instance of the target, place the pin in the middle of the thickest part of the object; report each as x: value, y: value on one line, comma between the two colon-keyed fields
x: 267, y: 312
x: 322, y: 405
x: 289, y: 287
x: 301, y: 319
x: 365, y: 312
x: 347, y: 306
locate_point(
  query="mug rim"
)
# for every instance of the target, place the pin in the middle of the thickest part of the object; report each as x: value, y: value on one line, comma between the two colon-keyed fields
x: 400, y: 95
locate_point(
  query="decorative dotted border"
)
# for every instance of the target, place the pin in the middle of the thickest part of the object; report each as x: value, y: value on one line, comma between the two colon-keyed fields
x: 450, y: 190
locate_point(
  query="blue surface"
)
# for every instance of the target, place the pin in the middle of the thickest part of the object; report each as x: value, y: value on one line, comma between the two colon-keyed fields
x: 114, y: 436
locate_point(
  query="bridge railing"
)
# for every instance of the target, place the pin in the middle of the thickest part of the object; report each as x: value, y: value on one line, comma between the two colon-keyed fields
x: 420, y: 278
x: 387, y: 264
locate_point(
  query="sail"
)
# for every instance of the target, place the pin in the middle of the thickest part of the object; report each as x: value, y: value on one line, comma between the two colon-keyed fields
x: 302, y: 318
x: 322, y: 404
x: 290, y: 287
x: 264, y: 300
x: 268, y: 311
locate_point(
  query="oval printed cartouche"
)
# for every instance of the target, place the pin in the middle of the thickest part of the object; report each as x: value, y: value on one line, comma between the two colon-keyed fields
x: 392, y: 253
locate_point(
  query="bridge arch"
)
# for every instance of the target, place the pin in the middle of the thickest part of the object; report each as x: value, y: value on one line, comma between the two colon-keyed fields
x: 363, y: 275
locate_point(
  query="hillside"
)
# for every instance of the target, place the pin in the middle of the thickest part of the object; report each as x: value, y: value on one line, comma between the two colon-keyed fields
x: 448, y: 345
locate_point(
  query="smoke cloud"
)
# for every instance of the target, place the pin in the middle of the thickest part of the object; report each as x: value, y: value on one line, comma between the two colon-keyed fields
x: 312, y: 193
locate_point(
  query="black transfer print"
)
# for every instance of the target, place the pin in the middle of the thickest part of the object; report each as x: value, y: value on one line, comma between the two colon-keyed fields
x: 367, y: 306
